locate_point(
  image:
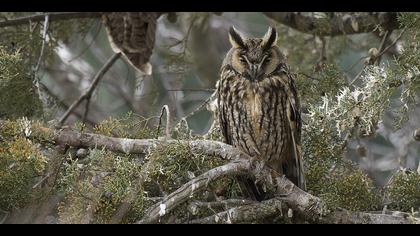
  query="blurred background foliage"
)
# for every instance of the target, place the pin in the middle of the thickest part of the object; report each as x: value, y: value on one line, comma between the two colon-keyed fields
x: 188, y: 52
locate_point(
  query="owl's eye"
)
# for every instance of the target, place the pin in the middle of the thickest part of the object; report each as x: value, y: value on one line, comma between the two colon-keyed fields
x: 242, y: 59
x: 267, y: 60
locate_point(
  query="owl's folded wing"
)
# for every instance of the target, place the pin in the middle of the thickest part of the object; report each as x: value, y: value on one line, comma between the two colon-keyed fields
x: 295, y: 122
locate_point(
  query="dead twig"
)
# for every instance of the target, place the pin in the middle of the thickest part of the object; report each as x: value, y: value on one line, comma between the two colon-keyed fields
x: 38, y: 64
x: 393, y: 43
x: 44, y: 39
x: 42, y: 180
x: 373, y: 58
x: 381, y: 46
x: 86, y: 111
x: 165, y: 108
x: 88, y: 93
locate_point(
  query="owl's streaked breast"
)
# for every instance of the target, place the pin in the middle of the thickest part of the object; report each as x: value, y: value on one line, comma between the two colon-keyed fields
x: 258, y: 106
x: 255, y: 115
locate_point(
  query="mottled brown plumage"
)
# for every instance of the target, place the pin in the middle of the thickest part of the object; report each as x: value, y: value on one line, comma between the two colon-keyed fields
x: 258, y: 107
x: 133, y: 34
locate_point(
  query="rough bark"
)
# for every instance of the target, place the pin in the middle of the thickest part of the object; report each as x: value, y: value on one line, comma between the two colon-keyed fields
x: 336, y: 25
x: 310, y: 207
x: 187, y: 191
x: 255, y: 212
x: 333, y: 26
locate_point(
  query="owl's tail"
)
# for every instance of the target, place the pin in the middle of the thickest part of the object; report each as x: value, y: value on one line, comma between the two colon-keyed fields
x: 293, y: 168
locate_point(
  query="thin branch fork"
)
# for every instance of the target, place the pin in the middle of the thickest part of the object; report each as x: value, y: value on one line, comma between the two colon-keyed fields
x: 88, y: 93
x: 374, y: 58
x: 393, y: 43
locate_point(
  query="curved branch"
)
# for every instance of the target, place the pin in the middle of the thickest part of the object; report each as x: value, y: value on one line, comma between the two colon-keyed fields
x: 302, y: 203
x: 336, y: 25
x: 88, y: 93
x: 184, y: 193
x: 137, y: 146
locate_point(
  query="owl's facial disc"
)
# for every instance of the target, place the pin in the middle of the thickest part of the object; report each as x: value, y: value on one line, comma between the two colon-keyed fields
x: 255, y: 68
x: 254, y: 58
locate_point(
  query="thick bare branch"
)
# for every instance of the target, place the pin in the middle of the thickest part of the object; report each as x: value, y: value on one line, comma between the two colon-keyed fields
x: 181, y: 195
x: 249, y: 213
x: 336, y: 25
x: 124, y: 145
x: 195, y: 206
x: 349, y: 217
x: 279, y: 207
x: 310, y: 207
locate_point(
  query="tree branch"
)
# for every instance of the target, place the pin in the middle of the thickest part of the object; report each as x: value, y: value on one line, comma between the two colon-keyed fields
x: 197, y: 184
x: 253, y: 212
x: 336, y: 25
x: 372, y: 58
x: 393, y: 43
x: 310, y: 207
x: 349, y: 217
x: 165, y: 108
x: 52, y: 15
x: 228, y: 203
x: 62, y: 105
x: 88, y: 93
x: 44, y: 39
x: 41, y: 54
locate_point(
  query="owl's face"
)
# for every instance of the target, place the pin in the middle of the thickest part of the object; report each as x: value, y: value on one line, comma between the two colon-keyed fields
x: 254, y: 58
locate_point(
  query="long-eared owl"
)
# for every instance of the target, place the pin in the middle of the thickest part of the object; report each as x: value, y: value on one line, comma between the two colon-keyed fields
x: 258, y: 107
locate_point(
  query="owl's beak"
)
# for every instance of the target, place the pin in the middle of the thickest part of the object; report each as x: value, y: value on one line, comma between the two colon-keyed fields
x: 254, y: 71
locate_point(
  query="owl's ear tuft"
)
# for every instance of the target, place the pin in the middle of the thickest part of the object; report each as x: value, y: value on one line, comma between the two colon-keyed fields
x: 235, y: 38
x: 270, y: 38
